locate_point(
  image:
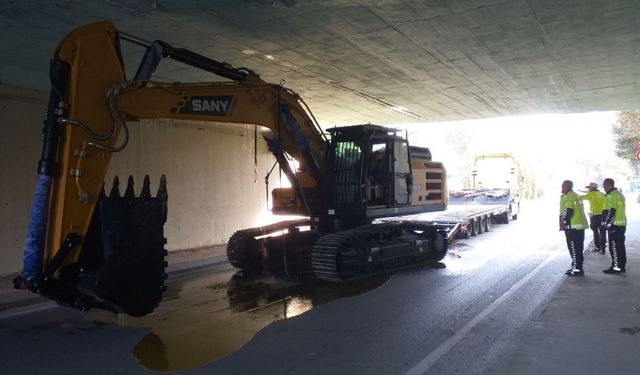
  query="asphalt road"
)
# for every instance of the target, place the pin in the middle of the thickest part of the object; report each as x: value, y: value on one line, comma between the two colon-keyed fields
x: 468, y: 318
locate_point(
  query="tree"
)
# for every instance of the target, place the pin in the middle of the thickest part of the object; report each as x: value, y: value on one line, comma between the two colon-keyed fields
x: 626, y: 133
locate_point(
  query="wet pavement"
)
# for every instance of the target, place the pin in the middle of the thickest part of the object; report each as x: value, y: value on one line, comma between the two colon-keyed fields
x: 206, y: 316
x: 501, y: 306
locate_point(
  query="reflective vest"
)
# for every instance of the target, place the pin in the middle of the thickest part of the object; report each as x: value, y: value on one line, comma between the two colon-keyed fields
x: 613, y: 209
x: 596, y: 201
x: 572, y: 211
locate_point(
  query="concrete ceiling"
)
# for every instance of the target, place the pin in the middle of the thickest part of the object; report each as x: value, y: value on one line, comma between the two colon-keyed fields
x: 383, y: 61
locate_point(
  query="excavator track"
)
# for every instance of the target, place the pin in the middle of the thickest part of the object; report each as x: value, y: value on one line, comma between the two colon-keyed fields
x: 247, y: 248
x: 374, y: 249
x: 243, y: 250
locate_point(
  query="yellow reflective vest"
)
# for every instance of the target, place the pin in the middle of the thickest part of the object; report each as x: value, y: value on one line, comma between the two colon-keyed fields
x: 596, y: 201
x: 572, y: 211
x: 613, y: 211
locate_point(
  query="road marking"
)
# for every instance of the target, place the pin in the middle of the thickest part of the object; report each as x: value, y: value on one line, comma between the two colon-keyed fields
x: 433, y: 357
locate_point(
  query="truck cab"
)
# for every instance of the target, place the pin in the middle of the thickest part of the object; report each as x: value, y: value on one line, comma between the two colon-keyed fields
x: 499, y: 172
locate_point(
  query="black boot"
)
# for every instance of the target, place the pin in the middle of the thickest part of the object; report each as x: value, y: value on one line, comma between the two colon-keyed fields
x: 574, y: 272
x: 613, y: 270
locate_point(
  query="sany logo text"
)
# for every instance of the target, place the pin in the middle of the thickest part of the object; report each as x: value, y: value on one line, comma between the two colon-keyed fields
x: 208, y: 105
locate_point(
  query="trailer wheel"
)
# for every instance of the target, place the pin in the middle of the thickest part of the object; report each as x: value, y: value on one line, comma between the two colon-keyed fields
x: 466, y: 233
x: 487, y: 223
x: 482, y: 223
x: 439, y: 245
x: 475, y: 227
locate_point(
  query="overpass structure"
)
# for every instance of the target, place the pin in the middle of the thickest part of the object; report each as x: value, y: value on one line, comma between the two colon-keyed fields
x: 384, y: 61
x: 354, y: 62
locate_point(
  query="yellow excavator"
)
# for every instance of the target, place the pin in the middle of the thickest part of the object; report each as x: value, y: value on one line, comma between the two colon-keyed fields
x: 89, y: 249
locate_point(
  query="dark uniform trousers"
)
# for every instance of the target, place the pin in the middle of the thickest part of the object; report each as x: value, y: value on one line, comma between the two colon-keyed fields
x: 575, y: 243
x: 617, y: 248
x: 599, y: 232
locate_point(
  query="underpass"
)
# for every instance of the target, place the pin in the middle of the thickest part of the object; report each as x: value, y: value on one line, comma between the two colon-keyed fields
x: 501, y: 305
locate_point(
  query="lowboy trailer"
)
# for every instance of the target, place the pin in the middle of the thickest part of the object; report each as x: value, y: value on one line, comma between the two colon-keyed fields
x: 468, y: 214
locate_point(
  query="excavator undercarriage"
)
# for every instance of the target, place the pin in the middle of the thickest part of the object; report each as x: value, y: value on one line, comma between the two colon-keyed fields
x: 342, y: 256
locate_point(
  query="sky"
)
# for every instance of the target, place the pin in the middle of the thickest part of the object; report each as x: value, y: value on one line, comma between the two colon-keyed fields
x: 554, y: 147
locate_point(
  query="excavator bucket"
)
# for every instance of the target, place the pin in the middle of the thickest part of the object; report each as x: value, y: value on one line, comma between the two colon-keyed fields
x: 127, y: 243
x: 121, y: 266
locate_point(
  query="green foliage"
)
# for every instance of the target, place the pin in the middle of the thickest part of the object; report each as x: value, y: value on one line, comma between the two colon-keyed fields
x: 626, y: 132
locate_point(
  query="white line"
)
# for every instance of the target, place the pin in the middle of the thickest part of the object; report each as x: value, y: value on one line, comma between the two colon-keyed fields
x: 424, y: 365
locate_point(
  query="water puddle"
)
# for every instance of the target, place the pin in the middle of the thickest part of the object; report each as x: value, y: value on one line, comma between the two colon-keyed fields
x: 208, y: 316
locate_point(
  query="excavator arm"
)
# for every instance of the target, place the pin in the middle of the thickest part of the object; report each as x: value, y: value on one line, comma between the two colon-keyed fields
x: 86, y: 249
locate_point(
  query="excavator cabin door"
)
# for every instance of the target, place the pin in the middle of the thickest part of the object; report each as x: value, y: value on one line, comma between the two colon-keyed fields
x: 402, y: 180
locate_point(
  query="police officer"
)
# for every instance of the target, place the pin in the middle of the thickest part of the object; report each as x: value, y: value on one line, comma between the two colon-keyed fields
x: 596, y: 202
x: 615, y: 220
x: 573, y: 222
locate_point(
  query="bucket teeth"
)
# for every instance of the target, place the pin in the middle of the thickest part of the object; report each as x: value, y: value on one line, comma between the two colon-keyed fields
x: 162, y: 189
x: 115, y: 189
x: 102, y: 193
x: 163, y: 196
x: 130, y: 192
x: 146, y: 189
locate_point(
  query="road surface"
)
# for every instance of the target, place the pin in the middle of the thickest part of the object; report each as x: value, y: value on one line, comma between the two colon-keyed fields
x: 487, y: 312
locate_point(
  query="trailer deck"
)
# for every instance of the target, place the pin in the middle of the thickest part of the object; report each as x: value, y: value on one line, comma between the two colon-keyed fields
x: 460, y: 220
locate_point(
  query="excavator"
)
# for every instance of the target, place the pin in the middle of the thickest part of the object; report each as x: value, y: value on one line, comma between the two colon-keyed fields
x: 89, y: 249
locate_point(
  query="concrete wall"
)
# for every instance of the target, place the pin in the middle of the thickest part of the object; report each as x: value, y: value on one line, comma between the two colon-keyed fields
x: 210, y: 177
x: 214, y: 186
x: 21, y: 115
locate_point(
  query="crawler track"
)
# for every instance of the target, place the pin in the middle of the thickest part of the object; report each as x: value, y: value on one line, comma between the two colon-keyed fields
x: 245, y: 248
x: 376, y: 249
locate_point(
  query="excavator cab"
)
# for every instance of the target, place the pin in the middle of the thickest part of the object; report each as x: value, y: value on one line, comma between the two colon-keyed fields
x: 369, y: 173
